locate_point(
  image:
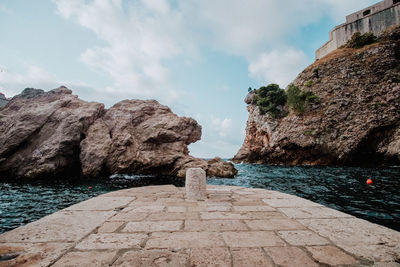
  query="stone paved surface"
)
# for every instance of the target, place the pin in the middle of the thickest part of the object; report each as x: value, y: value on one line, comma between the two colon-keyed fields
x: 233, y: 226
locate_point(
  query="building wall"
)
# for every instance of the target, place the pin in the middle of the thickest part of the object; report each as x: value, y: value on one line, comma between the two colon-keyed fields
x: 387, y: 14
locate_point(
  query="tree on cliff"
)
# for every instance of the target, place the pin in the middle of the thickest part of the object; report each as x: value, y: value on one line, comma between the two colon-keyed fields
x: 270, y: 99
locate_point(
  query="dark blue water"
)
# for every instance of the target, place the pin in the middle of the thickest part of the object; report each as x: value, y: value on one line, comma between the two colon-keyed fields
x: 341, y: 188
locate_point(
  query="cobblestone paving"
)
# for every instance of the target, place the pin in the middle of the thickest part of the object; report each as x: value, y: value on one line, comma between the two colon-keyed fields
x: 234, y: 226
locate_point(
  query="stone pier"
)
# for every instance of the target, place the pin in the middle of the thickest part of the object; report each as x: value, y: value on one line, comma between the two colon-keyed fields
x: 232, y: 226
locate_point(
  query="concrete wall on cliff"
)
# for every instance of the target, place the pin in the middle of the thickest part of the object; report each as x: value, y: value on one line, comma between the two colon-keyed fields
x: 375, y: 19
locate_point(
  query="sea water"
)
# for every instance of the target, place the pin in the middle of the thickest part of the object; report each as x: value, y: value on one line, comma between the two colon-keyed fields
x: 341, y: 188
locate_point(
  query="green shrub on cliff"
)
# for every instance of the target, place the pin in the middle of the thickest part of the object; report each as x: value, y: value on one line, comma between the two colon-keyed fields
x: 359, y: 40
x: 298, y: 99
x: 270, y: 99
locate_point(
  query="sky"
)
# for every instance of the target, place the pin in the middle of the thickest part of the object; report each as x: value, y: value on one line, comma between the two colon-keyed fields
x: 198, y: 57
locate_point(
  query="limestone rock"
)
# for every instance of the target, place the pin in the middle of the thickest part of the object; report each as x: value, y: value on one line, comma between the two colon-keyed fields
x: 218, y: 168
x: 214, y: 168
x: 137, y: 136
x: 41, y: 133
x: 55, y: 134
x: 357, y: 121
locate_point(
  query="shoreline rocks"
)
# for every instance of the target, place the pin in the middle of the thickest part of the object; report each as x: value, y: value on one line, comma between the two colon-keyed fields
x: 56, y: 134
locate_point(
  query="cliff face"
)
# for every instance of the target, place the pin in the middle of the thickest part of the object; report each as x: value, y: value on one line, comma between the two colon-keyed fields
x: 357, y: 121
x: 56, y: 134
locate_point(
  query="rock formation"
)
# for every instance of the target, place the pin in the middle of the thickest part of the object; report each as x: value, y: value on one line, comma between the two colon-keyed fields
x: 357, y: 121
x: 55, y: 134
x: 3, y: 100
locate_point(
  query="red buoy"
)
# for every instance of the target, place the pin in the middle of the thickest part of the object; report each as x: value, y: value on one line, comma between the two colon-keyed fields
x: 369, y: 181
x: 90, y: 187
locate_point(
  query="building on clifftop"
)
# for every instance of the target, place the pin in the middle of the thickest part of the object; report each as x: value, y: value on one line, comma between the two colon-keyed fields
x: 375, y: 19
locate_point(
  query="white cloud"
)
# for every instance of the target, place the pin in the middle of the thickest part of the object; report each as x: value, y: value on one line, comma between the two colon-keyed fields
x: 278, y: 66
x: 137, y: 40
x: 140, y: 35
x: 12, y: 83
x: 221, y: 126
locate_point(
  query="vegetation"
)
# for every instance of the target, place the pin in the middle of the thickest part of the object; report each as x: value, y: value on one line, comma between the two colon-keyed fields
x: 316, y: 72
x: 309, y: 83
x: 270, y: 99
x: 359, y: 40
x: 298, y: 99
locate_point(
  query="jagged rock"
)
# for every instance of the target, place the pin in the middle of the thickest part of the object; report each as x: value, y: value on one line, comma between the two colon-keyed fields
x: 357, y: 121
x: 41, y: 133
x: 249, y: 98
x: 55, y: 134
x: 219, y: 168
x: 137, y: 136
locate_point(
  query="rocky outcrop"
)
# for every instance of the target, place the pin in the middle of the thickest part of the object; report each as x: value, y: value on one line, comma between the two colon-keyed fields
x: 357, y: 121
x: 55, y: 134
x: 219, y: 168
x: 3, y: 100
x: 41, y: 133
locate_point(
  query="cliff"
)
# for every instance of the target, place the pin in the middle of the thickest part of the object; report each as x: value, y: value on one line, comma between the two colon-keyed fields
x: 356, y: 121
x: 57, y: 135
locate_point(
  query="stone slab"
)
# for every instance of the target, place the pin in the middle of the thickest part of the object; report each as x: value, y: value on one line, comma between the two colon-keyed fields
x: 215, y: 225
x: 32, y: 254
x: 290, y: 202
x: 331, y: 255
x: 154, y: 257
x: 359, y: 237
x: 176, y: 209
x: 247, y: 202
x: 313, y: 212
x: 203, y: 257
x: 110, y: 227
x: 86, y: 258
x: 102, y: 203
x: 290, y: 256
x: 302, y: 237
x: 240, y: 215
x: 112, y: 241
x: 153, y: 226
x: 129, y: 216
x: 183, y: 240
x: 252, y: 239
x: 144, y: 208
x: 245, y: 257
x: 253, y: 208
x: 61, y: 226
x: 211, y: 208
x: 274, y: 224
x: 170, y: 216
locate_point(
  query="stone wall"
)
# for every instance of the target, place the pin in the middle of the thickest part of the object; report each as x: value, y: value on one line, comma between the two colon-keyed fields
x: 375, y: 19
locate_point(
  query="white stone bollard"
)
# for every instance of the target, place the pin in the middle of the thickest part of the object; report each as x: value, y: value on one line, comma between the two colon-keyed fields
x: 195, y: 184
